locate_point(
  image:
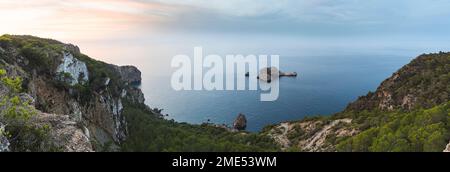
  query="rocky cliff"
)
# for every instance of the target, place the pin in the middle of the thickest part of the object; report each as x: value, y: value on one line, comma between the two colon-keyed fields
x: 423, y: 83
x: 54, y: 98
x: 409, y: 111
x: 311, y: 134
x: 81, y: 99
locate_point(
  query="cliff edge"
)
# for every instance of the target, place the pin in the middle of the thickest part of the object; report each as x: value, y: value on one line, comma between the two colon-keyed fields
x: 78, y: 98
x: 409, y: 111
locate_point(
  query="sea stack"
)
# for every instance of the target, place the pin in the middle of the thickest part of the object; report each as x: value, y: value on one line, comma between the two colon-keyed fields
x: 240, y: 123
x: 268, y: 74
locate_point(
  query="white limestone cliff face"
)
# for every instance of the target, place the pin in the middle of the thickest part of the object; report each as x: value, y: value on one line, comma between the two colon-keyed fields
x: 447, y: 149
x: 77, y: 69
x: 113, y: 121
x: 118, y: 125
x: 93, y: 116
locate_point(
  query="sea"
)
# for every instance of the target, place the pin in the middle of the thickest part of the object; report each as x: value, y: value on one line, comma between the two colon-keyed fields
x: 325, y: 85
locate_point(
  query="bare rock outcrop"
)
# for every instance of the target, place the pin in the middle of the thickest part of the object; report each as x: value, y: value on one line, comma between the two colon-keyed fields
x: 240, y: 123
x: 72, y: 70
x: 279, y: 134
x: 414, y: 85
x: 92, y: 93
x: 268, y: 74
x: 130, y: 74
x: 4, y: 142
x: 64, y: 133
x: 310, y: 135
x: 447, y: 148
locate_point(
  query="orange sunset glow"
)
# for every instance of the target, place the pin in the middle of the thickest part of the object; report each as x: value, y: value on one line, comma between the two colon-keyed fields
x: 77, y: 20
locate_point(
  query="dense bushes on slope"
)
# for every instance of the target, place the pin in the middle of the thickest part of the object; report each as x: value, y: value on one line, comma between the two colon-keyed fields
x: 149, y: 132
x: 390, y: 119
x: 393, y: 119
x: 417, y: 131
x: 15, y: 114
x: 423, y: 83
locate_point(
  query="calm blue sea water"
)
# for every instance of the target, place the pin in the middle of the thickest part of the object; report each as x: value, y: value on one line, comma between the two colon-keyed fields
x: 325, y: 85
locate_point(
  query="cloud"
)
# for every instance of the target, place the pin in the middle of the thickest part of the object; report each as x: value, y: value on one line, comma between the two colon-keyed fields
x: 81, y: 19
x: 308, y: 17
x: 318, y: 9
x: 94, y: 19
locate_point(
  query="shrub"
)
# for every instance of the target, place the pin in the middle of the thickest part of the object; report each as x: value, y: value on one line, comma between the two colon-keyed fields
x: 420, y: 130
x: 16, y: 114
x: 149, y: 132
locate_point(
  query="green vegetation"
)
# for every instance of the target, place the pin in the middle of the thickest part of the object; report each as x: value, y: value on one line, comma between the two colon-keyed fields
x: 425, y: 80
x: 98, y: 71
x: 149, y: 132
x: 12, y: 83
x: 431, y: 84
x: 422, y: 84
x: 16, y: 114
x: 417, y: 131
x: 380, y: 131
x: 40, y: 52
x: 43, y: 55
x: 419, y: 95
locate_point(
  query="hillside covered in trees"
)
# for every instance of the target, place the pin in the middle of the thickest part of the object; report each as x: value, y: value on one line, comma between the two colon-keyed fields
x: 54, y: 98
x: 410, y: 111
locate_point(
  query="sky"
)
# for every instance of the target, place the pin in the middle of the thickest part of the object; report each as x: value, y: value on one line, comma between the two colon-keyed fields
x: 113, y: 29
